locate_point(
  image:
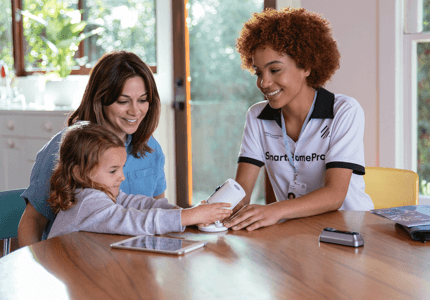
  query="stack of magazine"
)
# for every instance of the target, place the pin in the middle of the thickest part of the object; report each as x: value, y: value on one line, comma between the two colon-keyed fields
x: 415, y: 219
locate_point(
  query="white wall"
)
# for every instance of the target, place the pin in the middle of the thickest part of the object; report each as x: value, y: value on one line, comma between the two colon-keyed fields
x: 164, y: 80
x: 355, y: 28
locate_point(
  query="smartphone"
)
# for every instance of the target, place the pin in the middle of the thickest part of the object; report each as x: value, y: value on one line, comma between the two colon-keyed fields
x: 159, y: 244
x: 346, y: 238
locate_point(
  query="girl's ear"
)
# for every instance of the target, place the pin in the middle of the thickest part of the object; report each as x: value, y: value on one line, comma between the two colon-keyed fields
x: 76, y: 172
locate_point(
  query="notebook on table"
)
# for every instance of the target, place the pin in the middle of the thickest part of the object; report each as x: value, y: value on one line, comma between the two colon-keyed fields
x: 415, y: 219
x: 418, y: 233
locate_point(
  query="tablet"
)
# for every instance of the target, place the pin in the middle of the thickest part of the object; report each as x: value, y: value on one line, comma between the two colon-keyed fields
x: 159, y: 244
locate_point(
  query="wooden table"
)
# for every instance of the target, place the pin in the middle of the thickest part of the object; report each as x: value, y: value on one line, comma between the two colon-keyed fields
x: 283, y: 261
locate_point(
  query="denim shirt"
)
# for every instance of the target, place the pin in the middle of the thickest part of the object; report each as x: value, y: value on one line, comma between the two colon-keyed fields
x: 143, y: 175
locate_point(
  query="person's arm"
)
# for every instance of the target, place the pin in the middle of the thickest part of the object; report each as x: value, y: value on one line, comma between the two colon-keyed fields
x: 96, y: 212
x: 38, y: 212
x: 31, y: 226
x: 159, y: 196
x: 246, y: 176
x: 328, y: 198
x: 205, y: 214
x: 142, y: 202
x: 268, y: 193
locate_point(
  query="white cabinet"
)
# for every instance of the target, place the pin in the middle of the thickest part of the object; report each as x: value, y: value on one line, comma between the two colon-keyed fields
x: 22, y: 135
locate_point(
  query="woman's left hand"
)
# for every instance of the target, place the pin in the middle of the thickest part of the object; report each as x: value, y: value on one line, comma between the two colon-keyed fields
x: 253, y: 216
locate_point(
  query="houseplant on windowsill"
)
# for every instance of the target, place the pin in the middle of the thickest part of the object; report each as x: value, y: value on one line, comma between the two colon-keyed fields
x: 54, y: 36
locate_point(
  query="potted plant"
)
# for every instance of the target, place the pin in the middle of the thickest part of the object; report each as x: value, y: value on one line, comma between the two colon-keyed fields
x: 53, y: 38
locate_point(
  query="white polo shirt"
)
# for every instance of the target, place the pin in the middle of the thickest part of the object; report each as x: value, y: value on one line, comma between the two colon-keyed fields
x: 332, y: 138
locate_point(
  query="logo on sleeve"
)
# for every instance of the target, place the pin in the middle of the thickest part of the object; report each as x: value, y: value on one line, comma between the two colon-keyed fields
x: 273, y: 136
x: 325, y: 132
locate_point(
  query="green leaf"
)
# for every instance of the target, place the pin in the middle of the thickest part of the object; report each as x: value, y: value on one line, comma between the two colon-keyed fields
x: 84, y: 36
x: 50, y: 45
x: 33, y: 17
x: 66, y: 33
x: 66, y: 43
x: 53, y: 30
x: 78, y: 27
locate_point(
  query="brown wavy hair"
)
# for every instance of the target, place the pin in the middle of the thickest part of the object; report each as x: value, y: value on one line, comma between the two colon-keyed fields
x: 81, y: 147
x: 305, y: 36
x: 104, y: 87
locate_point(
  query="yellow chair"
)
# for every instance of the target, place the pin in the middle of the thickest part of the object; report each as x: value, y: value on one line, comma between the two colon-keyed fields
x: 391, y: 187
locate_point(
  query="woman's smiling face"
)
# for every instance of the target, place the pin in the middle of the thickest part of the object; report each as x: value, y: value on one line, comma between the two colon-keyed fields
x: 127, y: 112
x: 278, y: 77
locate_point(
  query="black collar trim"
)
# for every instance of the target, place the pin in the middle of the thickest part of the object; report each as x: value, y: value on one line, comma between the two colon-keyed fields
x: 323, y: 108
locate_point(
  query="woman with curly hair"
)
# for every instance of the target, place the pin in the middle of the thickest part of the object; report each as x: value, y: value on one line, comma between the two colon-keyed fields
x: 309, y: 139
x: 86, y: 196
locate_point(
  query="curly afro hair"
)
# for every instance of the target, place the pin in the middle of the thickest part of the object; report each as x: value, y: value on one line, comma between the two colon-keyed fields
x: 306, y: 37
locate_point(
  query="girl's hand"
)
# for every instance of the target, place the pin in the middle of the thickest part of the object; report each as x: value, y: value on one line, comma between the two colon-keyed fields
x: 202, y: 202
x: 253, y: 216
x: 205, y: 213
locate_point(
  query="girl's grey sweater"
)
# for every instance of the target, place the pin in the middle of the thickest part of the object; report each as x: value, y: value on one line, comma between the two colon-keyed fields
x: 130, y: 215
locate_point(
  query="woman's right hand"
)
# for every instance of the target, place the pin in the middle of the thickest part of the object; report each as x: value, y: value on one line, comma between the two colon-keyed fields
x: 205, y: 213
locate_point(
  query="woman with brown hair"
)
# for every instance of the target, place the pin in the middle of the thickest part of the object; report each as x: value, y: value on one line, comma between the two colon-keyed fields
x: 122, y: 96
x: 309, y: 139
x: 86, y: 195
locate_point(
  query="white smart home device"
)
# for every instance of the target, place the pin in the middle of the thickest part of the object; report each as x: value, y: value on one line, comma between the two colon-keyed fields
x: 229, y: 192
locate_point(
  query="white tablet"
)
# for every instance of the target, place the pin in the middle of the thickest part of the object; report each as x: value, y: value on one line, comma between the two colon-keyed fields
x: 159, y: 244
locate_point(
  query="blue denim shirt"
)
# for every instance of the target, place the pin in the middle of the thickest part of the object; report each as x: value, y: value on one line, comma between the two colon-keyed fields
x: 143, y: 175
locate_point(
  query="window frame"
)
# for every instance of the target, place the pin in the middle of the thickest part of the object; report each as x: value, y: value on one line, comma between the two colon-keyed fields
x: 397, y: 88
x: 410, y: 43
x: 182, y: 110
x: 18, y: 44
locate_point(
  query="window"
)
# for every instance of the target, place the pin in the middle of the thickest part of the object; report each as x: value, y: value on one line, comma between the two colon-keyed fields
x: 110, y: 25
x: 212, y: 94
x: 128, y: 24
x: 218, y: 84
x: 6, y: 54
x: 422, y: 54
x: 417, y: 89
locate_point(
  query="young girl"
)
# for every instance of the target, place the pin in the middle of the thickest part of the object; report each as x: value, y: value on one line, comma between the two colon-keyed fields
x: 85, y: 191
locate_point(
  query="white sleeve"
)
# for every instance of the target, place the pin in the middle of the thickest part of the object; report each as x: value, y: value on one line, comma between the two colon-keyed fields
x: 142, y: 202
x: 346, y: 139
x: 251, y: 150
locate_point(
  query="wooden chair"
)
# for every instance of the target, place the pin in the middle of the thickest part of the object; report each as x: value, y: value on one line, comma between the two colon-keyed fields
x: 391, y: 187
x: 12, y: 207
